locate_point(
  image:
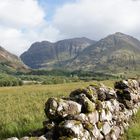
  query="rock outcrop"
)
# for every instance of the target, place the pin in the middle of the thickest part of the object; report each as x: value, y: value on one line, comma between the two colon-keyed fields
x: 115, y: 53
x: 94, y: 113
x: 50, y: 55
x: 10, y: 63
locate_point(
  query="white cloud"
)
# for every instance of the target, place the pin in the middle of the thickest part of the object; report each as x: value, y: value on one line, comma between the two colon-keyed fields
x: 19, y: 13
x: 97, y: 18
x: 22, y: 23
x: 12, y: 40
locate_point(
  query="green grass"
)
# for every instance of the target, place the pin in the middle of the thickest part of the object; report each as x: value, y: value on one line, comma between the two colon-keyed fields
x: 133, y: 133
x: 22, y: 108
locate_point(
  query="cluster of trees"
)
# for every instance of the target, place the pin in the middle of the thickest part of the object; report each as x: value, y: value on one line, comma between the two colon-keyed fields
x: 83, y: 75
x: 60, y: 79
x: 7, y: 80
x: 55, y: 72
x: 48, y: 79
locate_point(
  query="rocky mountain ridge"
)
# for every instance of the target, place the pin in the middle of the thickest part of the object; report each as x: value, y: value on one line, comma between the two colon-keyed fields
x: 54, y: 55
x: 115, y: 53
x: 10, y: 62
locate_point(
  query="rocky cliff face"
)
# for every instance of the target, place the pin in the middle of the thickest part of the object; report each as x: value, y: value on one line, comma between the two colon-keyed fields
x: 10, y: 62
x: 116, y: 52
x: 54, y: 55
x: 94, y: 113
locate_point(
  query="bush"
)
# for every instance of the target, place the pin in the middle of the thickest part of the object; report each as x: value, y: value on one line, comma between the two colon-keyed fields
x: 7, y: 80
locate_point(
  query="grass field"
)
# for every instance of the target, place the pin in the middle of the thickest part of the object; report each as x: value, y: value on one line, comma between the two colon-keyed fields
x: 22, y: 108
x: 133, y: 133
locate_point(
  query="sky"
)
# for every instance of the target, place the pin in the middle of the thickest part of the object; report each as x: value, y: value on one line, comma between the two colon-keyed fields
x: 23, y: 22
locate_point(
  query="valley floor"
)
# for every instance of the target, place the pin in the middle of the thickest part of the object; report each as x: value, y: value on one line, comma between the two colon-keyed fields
x: 22, y: 108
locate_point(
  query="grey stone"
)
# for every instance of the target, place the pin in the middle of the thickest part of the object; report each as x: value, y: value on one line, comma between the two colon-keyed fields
x: 58, y: 108
x: 93, y: 117
x: 13, y: 138
x: 71, y: 128
x: 42, y: 138
x: 96, y: 132
x: 115, y: 133
x: 105, y: 115
x: 25, y: 138
x: 80, y: 117
x: 101, y: 95
x: 87, y: 105
x: 106, y: 128
x: 121, y: 84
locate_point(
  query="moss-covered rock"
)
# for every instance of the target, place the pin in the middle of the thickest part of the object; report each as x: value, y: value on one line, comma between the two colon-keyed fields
x: 121, y: 84
x: 65, y: 138
x: 87, y: 105
x: 101, y: 96
x: 71, y: 128
x: 89, y: 92
x: 128, y: 104
x: 93, y: 117
x: 48, y: 124
x: 100, y: 125
x: 88, y: 126
x: 56, y: 109
x: 51, y: 107
x: 99, y: 105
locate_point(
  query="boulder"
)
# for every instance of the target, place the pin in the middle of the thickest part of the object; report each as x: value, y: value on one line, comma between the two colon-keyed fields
x: 128, y: 104
x: 56, y: 109
x: 24, y: 138
x: 115, y: 133
x: 13, y: 138
x: 101, y: 94
x: 111, y: 94
x: 87, y: 105
x: 88, y: 92
x: 105, y: 115
x: 71, y: 128
x: 127, y: 94
x: 121, y: 84
x: 79, y: 117
x: 93, y: 117
x: 48, y: 125
x: 106, y: 128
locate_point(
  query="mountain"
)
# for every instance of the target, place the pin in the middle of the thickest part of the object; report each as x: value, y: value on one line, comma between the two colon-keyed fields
x: 115, y: 53
x: 54, y: 55
x: 10, y: 62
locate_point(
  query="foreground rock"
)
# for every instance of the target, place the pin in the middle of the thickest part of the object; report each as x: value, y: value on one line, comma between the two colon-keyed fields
x: 94, y: 113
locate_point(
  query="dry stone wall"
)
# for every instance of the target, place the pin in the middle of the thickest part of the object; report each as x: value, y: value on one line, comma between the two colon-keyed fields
x: 94, y: 113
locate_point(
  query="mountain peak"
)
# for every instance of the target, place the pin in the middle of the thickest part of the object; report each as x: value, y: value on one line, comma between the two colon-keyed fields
x: 46, y: 54
x: 119, y: 33
x: 116, y: 52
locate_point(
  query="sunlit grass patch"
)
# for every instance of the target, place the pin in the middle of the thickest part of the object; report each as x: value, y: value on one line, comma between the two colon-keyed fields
x: 133, y: 133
